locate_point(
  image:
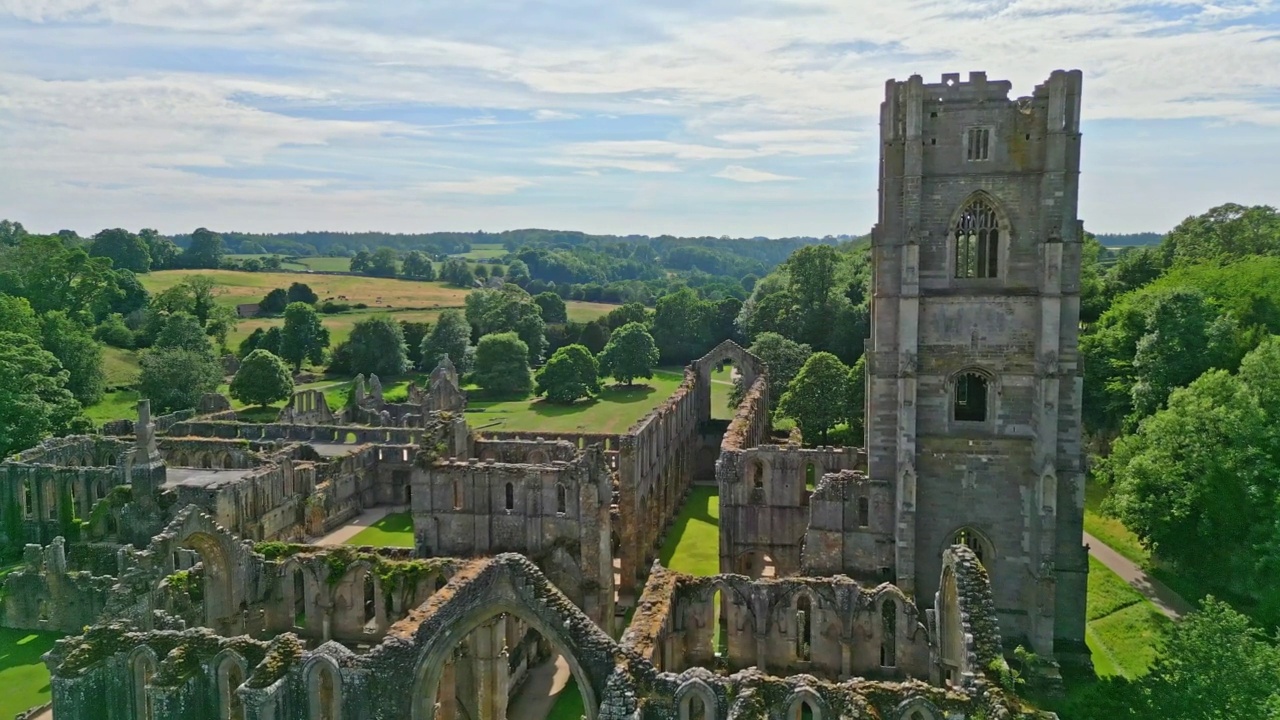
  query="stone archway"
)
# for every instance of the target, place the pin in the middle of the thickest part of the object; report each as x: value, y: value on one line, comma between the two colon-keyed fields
x: 515, y: 587
x: 218, y: 603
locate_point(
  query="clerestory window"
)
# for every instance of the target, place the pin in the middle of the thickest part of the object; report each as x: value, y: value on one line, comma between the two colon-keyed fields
x: 971, y: 398
x: 978, y: 144
x: 977, y: 241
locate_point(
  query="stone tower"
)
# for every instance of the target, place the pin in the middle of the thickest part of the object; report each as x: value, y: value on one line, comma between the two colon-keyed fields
x: 973, y: 402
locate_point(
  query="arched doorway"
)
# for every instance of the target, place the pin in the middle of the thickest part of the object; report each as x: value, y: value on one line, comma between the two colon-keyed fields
x: 219, y: 605
x: 489, y: 629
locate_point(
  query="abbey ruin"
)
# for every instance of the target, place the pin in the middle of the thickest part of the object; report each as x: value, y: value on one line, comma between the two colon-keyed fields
x: 177, y: 551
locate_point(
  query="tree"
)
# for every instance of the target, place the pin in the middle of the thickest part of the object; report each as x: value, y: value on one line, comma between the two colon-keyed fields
x: 569, y: 374
x: 628, y: 313
x: 1185, y: 336
x: 113, y: 331
x: 417, y: 266
x: 595, y: 335
x: 175, y: 378
x: 518, y: 273
x: 301, y: 292
x: 681, y: 326
x: 817, y: 396
x: 376, y: 347
x: 496, y: 310
x: 553, y: 309
x: 262, y: 379
x: 360, y: 262
x: 10, y: 234
x: 130, y: 296
x: 271, y: 340
x: 250, y: 343
x: 78, y: 353
x: 302, y: 337
x: 449, y: 336
x: 182, y: 330
x: 1225, y: 232
x: 382, y: 263
x: 205, y: 250
x: 812, y: 282
x: 274, y: 302
x: 34, y: 400
x: 784, y: 358
x: 53, y: 276
x: 502, y: 365
x: 414, y: 334
x: 17, y: 316
x: 857, y: 407
x: 163, y: 253
x: 456, y: 271
x: 125, y: 250
x: 630, y: 353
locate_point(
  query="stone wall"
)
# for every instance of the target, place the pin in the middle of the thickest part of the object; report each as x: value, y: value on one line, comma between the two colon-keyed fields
x: 850, y: 527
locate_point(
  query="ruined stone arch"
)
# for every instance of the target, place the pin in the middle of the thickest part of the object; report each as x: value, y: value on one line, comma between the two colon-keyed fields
x: 974, y: 539
x: 142, y: 668
x: 230, y: 671
x: 978, y: 238
x: 206, y: 461
x: 324, y: 688
x: 219, y: 602
x: 225, y: 461
x: 538, y: 457
x: 564, y: 626
x: 891, y: 623
x: 699, y: 690
x: 951, y: 647
x: 799, y: 699
x: 918, y: 708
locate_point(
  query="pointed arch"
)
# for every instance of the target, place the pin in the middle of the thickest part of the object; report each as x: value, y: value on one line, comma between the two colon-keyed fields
x: 976, y: 540
x: 805, y: 698
x: 917, y: 708
x: 691, y: 692
x: 978, y: 235
x: 230, y: 669
x: 973, y: 394
x: 324, y: 688
x: 142, y: 668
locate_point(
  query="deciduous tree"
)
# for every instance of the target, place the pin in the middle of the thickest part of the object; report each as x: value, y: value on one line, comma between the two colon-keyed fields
x: 376, y: 347
x: 571, y: 373
x: 262, y: 379
x: 34, y: 400
x: 175, y: 378
x: 552, y: 306
x: 303, y: 337
x: 631, y: 353
x: 301, y: 292
x: 817, y: 396
x: 78, y: 353
x: 784, y: 357
x: 449, y: 336
x: 502, y: 365
x: 205, y: 251
x: 124, y: 249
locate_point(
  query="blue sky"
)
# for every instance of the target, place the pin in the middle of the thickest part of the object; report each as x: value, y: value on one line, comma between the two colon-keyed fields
x: 737, y: 117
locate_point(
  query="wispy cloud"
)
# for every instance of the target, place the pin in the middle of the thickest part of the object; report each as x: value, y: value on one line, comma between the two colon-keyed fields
x: 479, y: 186
x: 738, y: 173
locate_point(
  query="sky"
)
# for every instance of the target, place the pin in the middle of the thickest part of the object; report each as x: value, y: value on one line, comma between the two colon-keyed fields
x: 689, y: 117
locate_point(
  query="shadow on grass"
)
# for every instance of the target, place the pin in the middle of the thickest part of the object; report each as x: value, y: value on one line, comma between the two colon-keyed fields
x: 395, y: 523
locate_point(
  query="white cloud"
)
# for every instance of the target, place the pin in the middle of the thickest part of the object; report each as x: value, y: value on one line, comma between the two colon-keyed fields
x: 738, y: 173
x: 549, y: 115
x: 503, y: 185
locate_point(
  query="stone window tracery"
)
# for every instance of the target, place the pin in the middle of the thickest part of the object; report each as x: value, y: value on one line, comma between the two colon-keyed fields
x: 977, y: 240
x: 971, y: 539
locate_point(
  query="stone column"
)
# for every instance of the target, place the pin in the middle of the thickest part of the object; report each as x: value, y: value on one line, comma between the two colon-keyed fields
x: 489, y: 655
x: 447, y: 694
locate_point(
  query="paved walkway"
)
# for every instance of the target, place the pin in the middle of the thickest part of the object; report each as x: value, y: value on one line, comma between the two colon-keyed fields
x: 362, y: 521
x: 1166, y: 600
x: 540, y: 691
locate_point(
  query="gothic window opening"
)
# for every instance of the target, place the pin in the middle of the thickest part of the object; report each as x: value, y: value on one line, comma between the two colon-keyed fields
x: 721, y: 639
x: 978, y: 144
x: 50, y: 500
x: 27, y: 509
x: 325, y: 699
x: 299, y: 599
x: 144, y: 668
x: 370, y: 598
x: 971, y: 398
x: 562, y: 499
x: 804, y: 711
x: 975, y: 542
x: 804, y: 628
x: 511, y: 496
x: 977, y: 238
x: 696, y: 710
x: 457, y: 494
x: 864, y: 512
x: 810, y: 476
x: 888, y: 634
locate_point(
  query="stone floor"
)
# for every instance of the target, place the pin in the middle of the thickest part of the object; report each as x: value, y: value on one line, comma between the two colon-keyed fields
x: 539, y: 693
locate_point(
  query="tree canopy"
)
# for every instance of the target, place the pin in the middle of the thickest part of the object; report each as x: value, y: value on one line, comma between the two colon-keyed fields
x: 262, y: 379
x: 302, y: 337
x: 34, y: 399
x: 376, y: 347
x: 818, y: 396
x: 502, y: 366
x: 123, y: 248
x: 630, y: 353
x: 571, y: 373
x: 175, y: 378
x: 449, y: 336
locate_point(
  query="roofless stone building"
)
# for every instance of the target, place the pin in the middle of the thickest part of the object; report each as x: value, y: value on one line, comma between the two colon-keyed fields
x: 876, y: 583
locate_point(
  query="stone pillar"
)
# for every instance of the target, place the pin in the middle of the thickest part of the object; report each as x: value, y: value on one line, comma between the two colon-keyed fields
x: 489, y: 655
x: 447, y: 694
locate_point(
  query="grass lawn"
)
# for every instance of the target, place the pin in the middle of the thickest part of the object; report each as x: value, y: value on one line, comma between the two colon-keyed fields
x: 568, y: 703
x: 121, y: 366
x: 1110, y: 530
x: 1123, y: 629
x: 114, y: 406
x: 484, y: 251
x: 615, y: 410
x: 394, y: 530
x: 326, y: 264
x: 24, y: 678
x: 693, y: 543
x: 292, y: 266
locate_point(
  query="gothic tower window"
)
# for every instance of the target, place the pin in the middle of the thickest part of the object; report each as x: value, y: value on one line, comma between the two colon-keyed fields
x: 804, y: 628
x: 511, y: 496
x: 562, y: 499
x: 970, y: 398
x: 975, y: 542
x: 978, y: 143
x: 977, y: 240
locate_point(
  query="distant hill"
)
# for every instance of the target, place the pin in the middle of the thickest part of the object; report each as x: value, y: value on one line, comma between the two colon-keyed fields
x: 1129, y: 239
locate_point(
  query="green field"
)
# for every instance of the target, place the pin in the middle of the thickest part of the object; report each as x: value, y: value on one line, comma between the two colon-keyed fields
x: 23, y: 676
x: 693, y: 543
x: 236, y: 287
x: 616, y: 409
x: 290, y: 266
x: 327, y: 264
x: 121, y: 366
x: 1109, y: 530
x: 1123, y: 628
x: 394, y: 530
x: 569, y: 704
x: 484, y: 251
